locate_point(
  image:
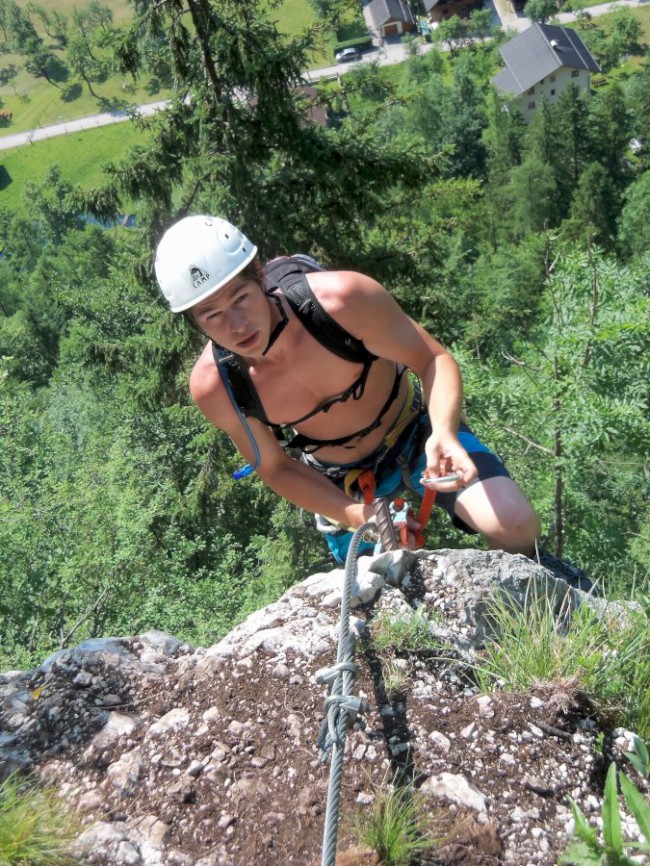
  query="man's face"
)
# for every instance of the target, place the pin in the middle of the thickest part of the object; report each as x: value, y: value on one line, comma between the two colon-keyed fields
x: 237, y: 316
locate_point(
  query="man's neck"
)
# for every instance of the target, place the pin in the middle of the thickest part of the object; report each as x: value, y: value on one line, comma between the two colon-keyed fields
x: 281, y: 321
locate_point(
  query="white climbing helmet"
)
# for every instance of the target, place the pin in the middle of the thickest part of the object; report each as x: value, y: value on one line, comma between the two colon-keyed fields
x: 197, y: 256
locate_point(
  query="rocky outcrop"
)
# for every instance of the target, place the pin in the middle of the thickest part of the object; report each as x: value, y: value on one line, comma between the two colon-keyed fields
x: 183, y: 756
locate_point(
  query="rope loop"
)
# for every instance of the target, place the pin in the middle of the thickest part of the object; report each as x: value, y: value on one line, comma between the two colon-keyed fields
x: 342, y: 712
x: 328, y: 675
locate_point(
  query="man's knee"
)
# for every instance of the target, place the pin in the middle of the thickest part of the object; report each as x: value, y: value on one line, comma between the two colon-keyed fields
x: 519, y: 534
x: 499, y: 511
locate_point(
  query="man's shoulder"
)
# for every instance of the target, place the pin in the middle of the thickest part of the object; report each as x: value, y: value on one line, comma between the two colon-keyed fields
x: 205, y: 382
x: 335, y: 290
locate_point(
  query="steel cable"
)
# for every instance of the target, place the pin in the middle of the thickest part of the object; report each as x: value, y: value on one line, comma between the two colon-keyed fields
x: 341, y: 710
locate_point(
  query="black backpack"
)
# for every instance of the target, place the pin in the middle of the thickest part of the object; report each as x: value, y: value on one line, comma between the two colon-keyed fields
x: 288, y: 273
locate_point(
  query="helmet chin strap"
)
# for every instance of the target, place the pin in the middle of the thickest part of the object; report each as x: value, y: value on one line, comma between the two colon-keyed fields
x: 281, y: 325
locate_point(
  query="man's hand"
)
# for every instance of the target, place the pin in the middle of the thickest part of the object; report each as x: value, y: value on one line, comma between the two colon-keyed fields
x: 446, y: 456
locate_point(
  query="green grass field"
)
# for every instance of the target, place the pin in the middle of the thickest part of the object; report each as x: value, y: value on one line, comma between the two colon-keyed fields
x: 35, y: 103
x: 575, y: 5
x: 80, y: 156
x: 634, y: 61
x: 121, y: 9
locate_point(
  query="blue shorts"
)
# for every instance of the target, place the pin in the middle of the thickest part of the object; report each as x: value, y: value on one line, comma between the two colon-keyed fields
x: 401, y: 467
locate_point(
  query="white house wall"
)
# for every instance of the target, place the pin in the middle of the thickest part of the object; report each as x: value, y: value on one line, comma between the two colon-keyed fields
x: 551, y: 87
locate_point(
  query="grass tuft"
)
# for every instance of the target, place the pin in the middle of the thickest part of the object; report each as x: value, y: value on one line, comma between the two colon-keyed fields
x: 393, y: 827
x: 36, y: 829
x: 609, y: 659
x: 404, y: 632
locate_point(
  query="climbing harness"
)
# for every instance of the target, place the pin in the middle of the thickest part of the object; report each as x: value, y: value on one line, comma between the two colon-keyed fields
x: 341, y: 706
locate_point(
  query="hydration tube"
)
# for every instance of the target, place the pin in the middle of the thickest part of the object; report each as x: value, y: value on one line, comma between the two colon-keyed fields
x: 244, y: 471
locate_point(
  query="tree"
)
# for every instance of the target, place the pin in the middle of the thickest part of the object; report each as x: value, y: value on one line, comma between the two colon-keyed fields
x: 501, y: 292
x: 532, y: 187
x: 571, y: 412
x: 638, y: 100
x: 592, y: 217
x: 99, y: 16
x: 54, y: 23
x: 480, y: 24
x: 24, y: 40
x: 50, y: 205
x: 629, y: 29
x: 545, y: 140
x: 634, y: 226
x: 573, y: 125
x: 83, y: 24
x: 369, y: 82
x: 450, y: 32
x: 21, y: 34
x: 427, y: 108
x: 541, y: 10
x: 607, y: 48
x: 610, y: 130
x: 8, y: 73
x: 502, y: 139
x: 83, y: 62
x: 467, y: 120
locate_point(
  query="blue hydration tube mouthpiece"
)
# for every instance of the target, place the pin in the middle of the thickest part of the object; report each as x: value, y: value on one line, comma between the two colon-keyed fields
x: 244, y: 472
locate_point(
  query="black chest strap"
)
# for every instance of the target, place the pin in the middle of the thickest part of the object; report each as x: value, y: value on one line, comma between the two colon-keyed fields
x: 241, y: 384
x: 310, y: 446
x: 249, y: 401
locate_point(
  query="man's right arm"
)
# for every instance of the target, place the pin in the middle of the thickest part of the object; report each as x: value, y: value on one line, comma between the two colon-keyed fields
x: 289, y: 478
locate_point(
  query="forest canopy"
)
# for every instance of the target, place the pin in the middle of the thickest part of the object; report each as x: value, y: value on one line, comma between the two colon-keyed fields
x: 523, y: 248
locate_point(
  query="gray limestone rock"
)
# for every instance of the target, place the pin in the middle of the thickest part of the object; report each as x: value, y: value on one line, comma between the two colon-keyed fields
x: 202, y: 737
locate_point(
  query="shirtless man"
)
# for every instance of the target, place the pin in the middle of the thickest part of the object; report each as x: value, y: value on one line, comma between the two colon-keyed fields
x: 349, y: 414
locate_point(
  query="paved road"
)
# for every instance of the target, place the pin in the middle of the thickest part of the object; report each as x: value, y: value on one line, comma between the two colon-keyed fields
x: 518, y: 21
x: 390, y: 52
x: 78, y: 125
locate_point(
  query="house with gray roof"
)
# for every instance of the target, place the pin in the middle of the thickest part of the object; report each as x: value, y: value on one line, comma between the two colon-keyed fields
x: 540, y: 63
x: 389, y: 17
x: 439, y: 10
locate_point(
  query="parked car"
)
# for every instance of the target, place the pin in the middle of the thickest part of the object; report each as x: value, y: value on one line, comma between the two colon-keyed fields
x: 347, y: 54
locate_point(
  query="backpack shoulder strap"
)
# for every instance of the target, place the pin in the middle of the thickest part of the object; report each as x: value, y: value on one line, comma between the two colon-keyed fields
x: 289, y: 274
x: 239, y: 383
